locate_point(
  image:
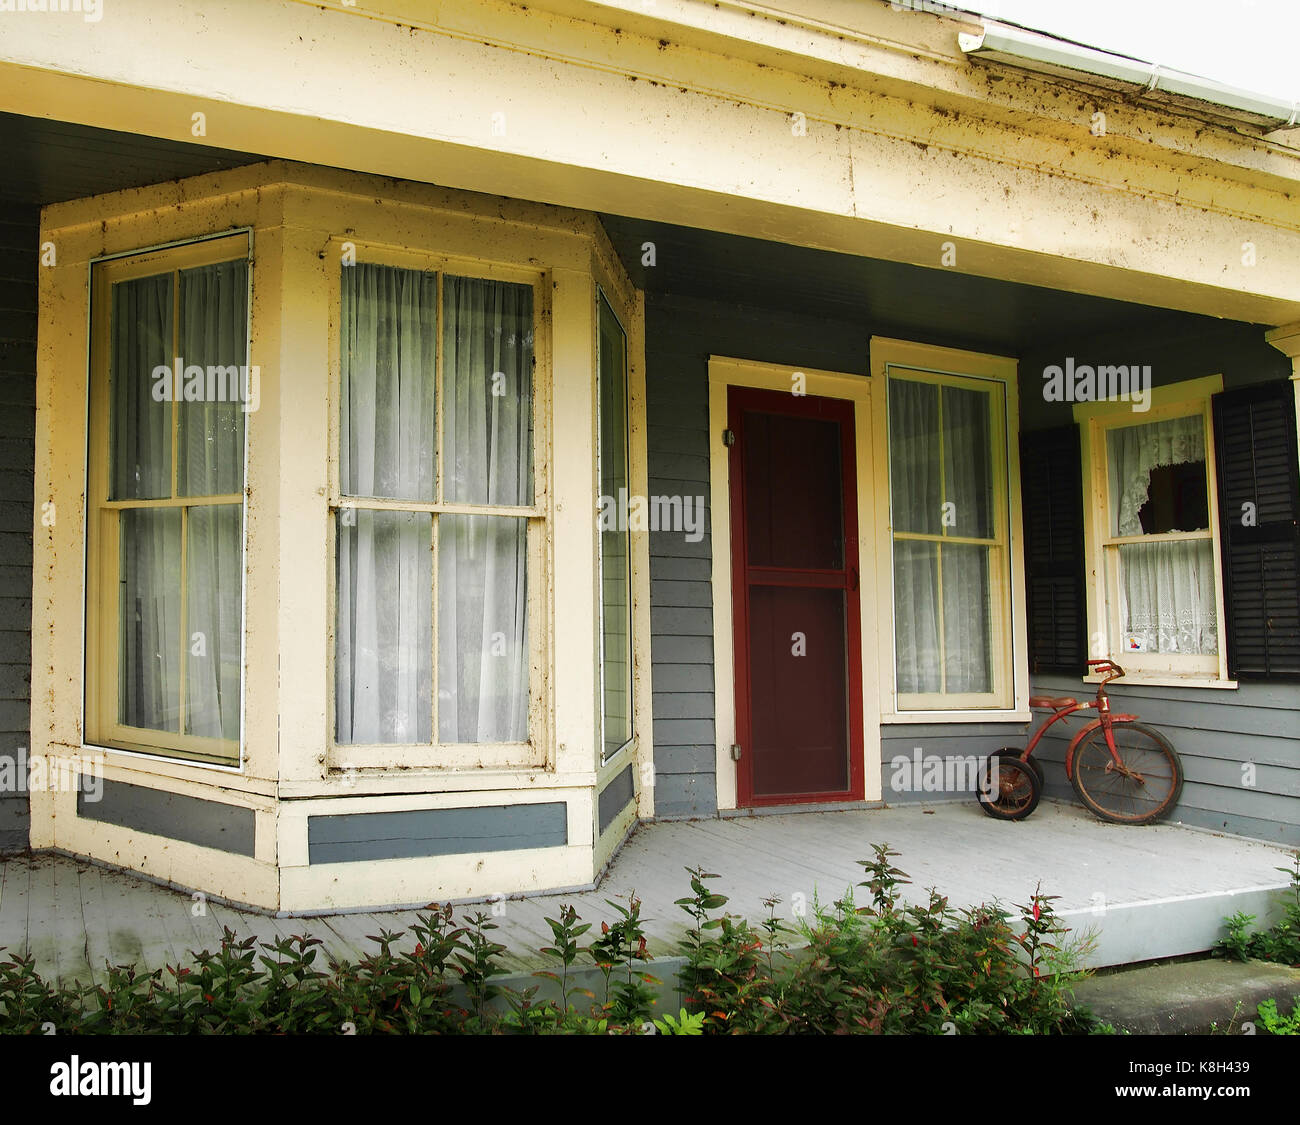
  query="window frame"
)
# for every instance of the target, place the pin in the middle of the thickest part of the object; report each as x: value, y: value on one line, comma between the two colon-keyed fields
x: 435, y: 755
x: 1009, y: 636
x: 1175, y: 400
x: 606, y: 756
x: 101, y: 665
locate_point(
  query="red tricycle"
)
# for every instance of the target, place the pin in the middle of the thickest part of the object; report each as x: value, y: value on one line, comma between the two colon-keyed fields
x: 1122, y: 771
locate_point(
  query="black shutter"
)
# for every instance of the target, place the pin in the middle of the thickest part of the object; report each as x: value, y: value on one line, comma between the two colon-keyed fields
x: 1051, y: 484
x: 1259, y: 516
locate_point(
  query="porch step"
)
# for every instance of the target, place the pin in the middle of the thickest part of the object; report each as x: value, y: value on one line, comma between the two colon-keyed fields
x: 1189, y: 997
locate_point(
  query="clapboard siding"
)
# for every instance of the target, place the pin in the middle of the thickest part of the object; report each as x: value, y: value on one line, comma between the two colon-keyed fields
x: 618, y: 793
x: 1216, y: 733
x: 19, y: 238
x: 935, y: 741
x: 681, y: 334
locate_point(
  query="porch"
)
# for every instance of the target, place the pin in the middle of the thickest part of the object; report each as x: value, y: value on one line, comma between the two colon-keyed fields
x: 1147, y: 892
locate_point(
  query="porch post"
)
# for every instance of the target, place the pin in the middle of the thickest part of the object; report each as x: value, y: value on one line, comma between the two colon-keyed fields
x: 1287, y: 340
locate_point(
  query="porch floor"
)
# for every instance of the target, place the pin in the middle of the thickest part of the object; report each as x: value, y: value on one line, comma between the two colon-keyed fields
x: 1146, y: 892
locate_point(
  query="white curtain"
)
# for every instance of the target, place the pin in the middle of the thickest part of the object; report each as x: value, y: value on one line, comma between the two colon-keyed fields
x: 941, y: 482
x: 384, y: 627
x: 209, y: 460
x: 213, y: 331
x: 384, y: 634
x: 482, y: 572
x: 1167, y: 600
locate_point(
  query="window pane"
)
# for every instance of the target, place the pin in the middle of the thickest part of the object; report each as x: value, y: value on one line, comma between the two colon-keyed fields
x: 384, y: 630
x: 915, y: 457
x: 140, y: 442
x: 1167, y: 601
x: 615, y: 555
x: 482, y: 629
x: 388, y: 353
x: 213, y: 599
x: 967, y: 617
x: 916, y: 616
x: 150, y: 638
x: 794, y: 485
x: 1157, y: 476
x: 488, y: 386
x: 213, y: 349
x: 967, y: 463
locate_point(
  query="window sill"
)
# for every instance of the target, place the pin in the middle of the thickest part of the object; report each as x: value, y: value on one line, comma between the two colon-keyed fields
x: 900, y: 717
x: 1166, y: 679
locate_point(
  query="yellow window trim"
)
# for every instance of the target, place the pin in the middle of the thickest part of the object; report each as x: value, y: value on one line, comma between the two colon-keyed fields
x: 908, y: 359
x: 347, y: 757
x: 1172, y: 400
x: 102, y: 642
x: 724, y: 373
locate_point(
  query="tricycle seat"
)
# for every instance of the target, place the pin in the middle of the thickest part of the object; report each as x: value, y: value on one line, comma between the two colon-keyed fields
x: 1052, y: 702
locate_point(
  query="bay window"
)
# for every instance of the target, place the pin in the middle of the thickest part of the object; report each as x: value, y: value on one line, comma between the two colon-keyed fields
x: 170, y: 392
x: 615, y: 541
x: 434, y: 506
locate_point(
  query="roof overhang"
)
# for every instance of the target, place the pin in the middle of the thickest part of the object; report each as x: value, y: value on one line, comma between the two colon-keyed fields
x: 1035, y: 51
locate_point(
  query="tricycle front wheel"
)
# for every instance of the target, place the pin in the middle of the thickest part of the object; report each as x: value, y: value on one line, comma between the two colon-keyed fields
x: 1138, y: 784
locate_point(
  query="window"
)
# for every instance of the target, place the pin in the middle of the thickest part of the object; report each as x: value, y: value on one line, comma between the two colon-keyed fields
x: 615, y: 541
x: 949, y: 539
x: 170, y: 390
x: 435, y: 502
x: 1156, y: 591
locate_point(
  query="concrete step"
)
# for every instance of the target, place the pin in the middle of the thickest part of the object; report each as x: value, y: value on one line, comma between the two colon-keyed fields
x: 1189, y: 997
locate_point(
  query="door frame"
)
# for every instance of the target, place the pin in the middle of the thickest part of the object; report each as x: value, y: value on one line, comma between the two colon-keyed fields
x: 724, y: 373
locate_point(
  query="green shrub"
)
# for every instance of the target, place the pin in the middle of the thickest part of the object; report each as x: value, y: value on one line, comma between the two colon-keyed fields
x: 882, y: 968
x: 1281, y: 942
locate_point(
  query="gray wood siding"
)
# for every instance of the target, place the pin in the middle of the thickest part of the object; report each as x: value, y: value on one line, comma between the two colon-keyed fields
x: 614, y: 798
x: 1217, y: 733
x: 681, y: 334
x: 207, y: 824
x: 355, y: 837
x: 904, y: 784
x: 19, y: 238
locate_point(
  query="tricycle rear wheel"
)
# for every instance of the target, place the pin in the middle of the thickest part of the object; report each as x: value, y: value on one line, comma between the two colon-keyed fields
x: 1008, y: 789
x: 1034, y: 763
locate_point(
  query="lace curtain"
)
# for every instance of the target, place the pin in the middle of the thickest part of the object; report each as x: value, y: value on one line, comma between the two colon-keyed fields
x: 1166, y: 589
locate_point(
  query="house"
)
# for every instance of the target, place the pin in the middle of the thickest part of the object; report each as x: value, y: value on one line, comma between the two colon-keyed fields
x: 442, y: 434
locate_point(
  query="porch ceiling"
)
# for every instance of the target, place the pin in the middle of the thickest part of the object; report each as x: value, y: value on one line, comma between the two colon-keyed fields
x: 932, y: 304
x: 52, y: 161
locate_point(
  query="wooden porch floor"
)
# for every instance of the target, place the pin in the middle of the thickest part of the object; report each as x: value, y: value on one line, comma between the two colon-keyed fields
x: 1148, y: 892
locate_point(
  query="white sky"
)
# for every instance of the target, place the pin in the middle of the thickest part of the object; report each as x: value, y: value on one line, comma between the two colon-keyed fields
x: 1252, y: 44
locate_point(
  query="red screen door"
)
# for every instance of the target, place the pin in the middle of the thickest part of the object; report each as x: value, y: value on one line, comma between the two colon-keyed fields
x: 794, y: 539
